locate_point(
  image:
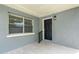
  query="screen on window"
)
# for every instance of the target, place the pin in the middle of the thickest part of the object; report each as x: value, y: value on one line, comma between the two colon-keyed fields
x: 19, y: 25
x: 27, y: 26
x: 15, y: 24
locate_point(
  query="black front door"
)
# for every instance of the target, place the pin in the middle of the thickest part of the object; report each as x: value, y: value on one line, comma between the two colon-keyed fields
x: 48, y: 29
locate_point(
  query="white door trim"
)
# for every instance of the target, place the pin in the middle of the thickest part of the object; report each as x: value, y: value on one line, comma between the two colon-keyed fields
x: 43, y: 24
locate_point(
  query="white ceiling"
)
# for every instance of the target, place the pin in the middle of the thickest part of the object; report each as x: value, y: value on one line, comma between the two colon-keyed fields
x: 40, y: 10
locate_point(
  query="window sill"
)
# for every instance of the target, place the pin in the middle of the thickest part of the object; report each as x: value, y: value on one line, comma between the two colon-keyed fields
x: 16, y: 35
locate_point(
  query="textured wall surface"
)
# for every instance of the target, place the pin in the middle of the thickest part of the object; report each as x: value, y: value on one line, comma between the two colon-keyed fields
x: 67, y: 28
x: 7, y: 44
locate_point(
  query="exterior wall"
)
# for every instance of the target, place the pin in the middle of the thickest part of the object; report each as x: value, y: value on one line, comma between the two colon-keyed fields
x: 7, y: 44
x: 66, y: 28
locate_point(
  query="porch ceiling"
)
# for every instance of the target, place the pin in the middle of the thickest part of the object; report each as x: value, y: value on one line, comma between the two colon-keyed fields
x: 41, y: 10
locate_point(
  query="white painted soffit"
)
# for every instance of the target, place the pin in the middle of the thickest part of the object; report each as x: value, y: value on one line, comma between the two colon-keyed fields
x: 41, y: 10
x: 21, y: 8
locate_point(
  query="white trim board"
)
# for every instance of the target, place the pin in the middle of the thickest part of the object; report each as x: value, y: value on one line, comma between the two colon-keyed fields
x: 20, y: 34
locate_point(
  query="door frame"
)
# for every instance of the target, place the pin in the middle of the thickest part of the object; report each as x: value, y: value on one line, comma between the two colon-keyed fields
x: 43, y: 24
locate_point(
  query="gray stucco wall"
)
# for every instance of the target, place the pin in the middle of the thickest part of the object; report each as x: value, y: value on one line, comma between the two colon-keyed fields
x: 7, y: 44
x: 66, y: 28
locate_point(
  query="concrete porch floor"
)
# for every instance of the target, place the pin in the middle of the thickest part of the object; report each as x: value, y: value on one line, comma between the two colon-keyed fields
x: 45, y: 47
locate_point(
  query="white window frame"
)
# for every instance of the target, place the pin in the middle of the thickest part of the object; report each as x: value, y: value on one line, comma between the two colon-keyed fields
x: 23, y: 33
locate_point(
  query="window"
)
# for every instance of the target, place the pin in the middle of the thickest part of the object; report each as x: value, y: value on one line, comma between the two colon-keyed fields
x: 19, y: 25
x: 15, y: 24
x: 27, y: 26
